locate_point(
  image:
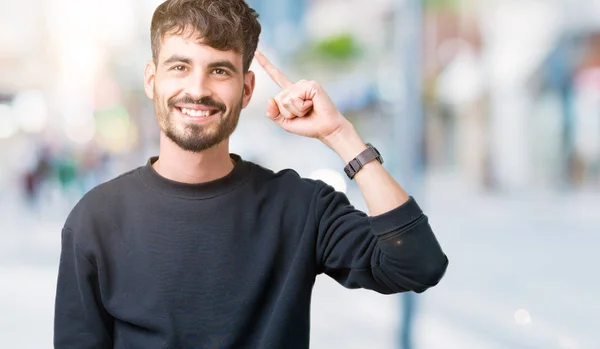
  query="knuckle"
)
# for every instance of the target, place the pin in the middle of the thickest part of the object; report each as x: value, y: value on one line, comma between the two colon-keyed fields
x: 314, y: 84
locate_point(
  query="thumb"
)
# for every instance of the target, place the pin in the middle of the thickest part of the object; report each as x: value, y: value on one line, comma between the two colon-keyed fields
x: 273, y: 110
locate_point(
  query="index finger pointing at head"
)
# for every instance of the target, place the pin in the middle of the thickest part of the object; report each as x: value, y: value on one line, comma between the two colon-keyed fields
x: 273, y: 72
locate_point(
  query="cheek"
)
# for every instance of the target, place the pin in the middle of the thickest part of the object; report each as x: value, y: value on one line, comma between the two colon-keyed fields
x: 167, y: 89
x: 232, y: 93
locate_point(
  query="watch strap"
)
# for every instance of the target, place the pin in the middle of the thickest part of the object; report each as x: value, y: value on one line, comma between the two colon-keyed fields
x: 361, y: 160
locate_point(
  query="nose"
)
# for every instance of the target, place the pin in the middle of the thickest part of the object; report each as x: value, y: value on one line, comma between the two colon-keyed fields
x: 198, y: 86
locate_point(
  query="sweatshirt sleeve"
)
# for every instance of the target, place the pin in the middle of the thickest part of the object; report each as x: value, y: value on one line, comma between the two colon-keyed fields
x: 390, y: 253
x: 80, y: 320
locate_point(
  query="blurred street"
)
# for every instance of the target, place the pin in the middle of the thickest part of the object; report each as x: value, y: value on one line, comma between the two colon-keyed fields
x: 502, y: 290
x: 488, y: 110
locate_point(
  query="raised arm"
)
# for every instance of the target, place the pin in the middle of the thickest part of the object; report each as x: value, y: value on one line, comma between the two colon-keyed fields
x: 391, y: 250
x: 304, y: 108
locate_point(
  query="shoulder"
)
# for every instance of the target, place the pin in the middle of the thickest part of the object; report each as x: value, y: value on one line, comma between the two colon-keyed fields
x: 287, y: 186
x: 95, y: 206
x: 287, y: 180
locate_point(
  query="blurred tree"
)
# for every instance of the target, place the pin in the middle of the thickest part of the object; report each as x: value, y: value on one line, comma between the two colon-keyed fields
x: 339, y: 47
x: 336, y: 54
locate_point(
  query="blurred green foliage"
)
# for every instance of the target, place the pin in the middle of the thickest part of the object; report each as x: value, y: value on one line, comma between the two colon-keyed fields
x: 441, y: 4
x: 338, y: 49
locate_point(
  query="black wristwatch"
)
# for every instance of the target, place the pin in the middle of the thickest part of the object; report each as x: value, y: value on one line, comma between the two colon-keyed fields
x: 366, y: 156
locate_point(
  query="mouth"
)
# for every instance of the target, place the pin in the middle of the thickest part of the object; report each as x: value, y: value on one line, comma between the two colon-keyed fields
x: 197, y: 114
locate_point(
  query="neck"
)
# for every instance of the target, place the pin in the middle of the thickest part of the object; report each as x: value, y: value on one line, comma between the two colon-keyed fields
x: 184, y: 166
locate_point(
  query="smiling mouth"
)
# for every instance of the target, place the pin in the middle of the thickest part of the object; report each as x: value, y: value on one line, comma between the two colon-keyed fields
x: 192, y: 113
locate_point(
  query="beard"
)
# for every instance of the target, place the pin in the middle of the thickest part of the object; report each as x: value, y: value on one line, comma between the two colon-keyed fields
x: 196, y: 137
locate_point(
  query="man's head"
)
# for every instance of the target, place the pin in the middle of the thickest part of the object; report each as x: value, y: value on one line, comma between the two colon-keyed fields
x: 199, y: 78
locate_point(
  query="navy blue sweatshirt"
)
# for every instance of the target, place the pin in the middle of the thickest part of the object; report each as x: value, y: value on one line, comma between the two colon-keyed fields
x: 149, y: 263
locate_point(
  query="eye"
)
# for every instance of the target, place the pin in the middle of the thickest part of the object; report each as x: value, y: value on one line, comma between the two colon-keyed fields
x: 220, y: 72
x: 179, y: 68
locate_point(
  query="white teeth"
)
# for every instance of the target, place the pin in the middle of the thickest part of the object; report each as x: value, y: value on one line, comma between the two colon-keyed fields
x: 195, y: 113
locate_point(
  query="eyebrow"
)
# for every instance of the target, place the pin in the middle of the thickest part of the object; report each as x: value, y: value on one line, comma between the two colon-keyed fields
x: 177, y: 59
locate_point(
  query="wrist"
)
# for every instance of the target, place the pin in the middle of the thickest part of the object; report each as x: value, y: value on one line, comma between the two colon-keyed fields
x: 346, y: 142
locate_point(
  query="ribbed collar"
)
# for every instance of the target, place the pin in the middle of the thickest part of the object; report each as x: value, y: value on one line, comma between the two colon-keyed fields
x: 207, y: 190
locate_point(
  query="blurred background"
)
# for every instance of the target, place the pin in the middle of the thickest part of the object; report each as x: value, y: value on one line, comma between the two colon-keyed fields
x: 487, y: 111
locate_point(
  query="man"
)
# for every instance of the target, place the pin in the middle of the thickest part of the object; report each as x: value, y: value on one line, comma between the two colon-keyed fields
x: 201, y: 249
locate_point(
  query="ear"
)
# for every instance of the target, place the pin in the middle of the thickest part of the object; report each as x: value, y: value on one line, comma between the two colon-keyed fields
x: 149, y: 74
x: 249, y: 82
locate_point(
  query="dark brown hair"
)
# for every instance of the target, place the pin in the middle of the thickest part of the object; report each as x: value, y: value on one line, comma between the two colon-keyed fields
x: 221, y: 24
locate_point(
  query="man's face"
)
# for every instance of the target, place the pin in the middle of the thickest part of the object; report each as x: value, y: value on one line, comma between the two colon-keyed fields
x: 198, y: 91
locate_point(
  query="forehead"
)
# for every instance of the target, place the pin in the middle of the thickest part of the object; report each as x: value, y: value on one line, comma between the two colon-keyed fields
x: 194, y: 48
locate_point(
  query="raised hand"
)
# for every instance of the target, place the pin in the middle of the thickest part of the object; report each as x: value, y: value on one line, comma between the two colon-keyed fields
x: 302, y: 108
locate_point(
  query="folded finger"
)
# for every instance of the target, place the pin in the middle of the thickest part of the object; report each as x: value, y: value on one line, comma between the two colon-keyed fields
x: 283, y: 106
x: 297, y: 105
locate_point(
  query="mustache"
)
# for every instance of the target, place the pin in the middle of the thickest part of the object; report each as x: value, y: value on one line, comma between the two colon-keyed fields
x: 205, y: 101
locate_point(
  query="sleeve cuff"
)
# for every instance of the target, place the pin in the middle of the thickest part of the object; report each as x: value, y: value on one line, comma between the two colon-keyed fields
x: 397, y: 218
